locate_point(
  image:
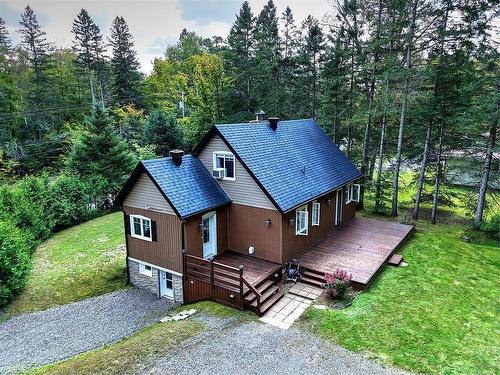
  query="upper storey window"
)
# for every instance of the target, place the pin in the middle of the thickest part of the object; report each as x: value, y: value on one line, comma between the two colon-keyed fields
x: 224, y: 165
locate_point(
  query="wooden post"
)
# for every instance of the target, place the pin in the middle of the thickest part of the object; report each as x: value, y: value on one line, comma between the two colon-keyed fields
x: 184, y: 277
x: 212, y: 278
x: 241, y: 286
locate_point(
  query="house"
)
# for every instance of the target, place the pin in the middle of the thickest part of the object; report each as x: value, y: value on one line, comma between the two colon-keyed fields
x: 220, y: 224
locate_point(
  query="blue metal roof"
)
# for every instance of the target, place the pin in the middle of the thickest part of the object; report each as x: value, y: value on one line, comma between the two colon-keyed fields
x: 294, y: 164
x: 189, y: 187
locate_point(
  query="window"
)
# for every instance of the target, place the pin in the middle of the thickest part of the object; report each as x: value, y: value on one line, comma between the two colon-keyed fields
x: 140, y: 227
x: 352, y: 193
x: 144, y: 269
x: 224, y: 159
x: 315, y: 213
x: 301, y: 221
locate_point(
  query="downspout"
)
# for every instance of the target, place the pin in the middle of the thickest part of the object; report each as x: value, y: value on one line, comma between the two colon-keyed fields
x: 126, y: 246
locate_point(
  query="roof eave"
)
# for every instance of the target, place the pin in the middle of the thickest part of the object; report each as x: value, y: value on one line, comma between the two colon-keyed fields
x: 320, y: 195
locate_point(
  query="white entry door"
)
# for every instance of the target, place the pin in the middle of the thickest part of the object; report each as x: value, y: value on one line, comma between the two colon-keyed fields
x: 338, y: 206
x: 209, y: 235
x: 166, y: 285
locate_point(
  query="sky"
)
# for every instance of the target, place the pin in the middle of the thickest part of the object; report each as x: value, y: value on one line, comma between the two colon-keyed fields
x: 153, y: 23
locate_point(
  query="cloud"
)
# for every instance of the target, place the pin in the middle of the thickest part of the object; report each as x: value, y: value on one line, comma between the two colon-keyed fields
x: 154, y: 24
x: 204, y: 12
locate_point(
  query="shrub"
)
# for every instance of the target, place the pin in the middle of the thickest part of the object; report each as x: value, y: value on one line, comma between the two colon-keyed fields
x: 16, y: 247
x: 492, y: 226
x: 26, y: 204
x: 337, y: 283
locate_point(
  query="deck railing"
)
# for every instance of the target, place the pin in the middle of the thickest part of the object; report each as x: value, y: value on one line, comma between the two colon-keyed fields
x: 208, y: 279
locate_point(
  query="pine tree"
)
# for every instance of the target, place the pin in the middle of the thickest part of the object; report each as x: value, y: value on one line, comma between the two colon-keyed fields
x: 101, y: 153
x: 34, y: 40
x: 124, y: 65
x: 267, y: 54
x: 291, y: 90
x: 5, y: 42
x: 313, y: 46
x: 162, y: 130
x: 239, y: 59
x: 88, y: 47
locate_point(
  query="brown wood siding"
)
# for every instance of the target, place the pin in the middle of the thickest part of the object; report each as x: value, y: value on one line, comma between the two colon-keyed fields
x: 198, y: 290
x: 166, y: 251
x: 294, y: 245
x: 247, y: 228
x: 349, y: 211
x: 192, y: 233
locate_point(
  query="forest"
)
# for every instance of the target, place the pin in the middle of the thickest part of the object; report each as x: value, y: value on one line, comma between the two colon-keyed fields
x: 406, y: 88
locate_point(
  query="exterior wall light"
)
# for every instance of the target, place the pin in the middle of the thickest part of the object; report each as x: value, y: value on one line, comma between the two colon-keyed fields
x: 291, y: 221
x: 268, y: 222
x: 329, y: 202
x: 231, y: 296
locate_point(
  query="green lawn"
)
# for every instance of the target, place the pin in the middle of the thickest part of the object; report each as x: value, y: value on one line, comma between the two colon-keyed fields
x: 80, y: 262
x: 129, y: 355
x: 438, y: 315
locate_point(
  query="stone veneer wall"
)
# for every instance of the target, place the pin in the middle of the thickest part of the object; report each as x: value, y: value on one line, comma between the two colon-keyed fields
x: 151, y: 282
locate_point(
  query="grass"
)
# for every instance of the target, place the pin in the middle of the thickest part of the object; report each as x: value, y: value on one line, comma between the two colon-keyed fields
x: 80, y: 262
x: 220, y: 311
x: 438, y: 315
x: 129, y: 355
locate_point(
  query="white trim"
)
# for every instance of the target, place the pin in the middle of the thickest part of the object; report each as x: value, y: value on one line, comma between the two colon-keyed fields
x: 214, y: 163
x: 170, y: 295
x: 337, y: 206
x: 132, y: 228
x: 302, y: 210
x: 318, y: 206
x: 206, y: 216
x: 144, y: 271
x: 155, y: 266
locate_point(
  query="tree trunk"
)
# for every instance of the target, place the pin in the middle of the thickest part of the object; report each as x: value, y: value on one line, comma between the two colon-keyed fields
x: 371, y: 95
x: 487, y: 167
x: 379, y: 166
x: 91, y: 86
x: 421, y: 175
x: 406, y: 93
x: 429, y: 126
x: 437, y: 177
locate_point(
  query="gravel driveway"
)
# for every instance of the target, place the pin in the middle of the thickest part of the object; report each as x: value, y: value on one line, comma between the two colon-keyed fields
x: 227, y: 346
x: 47, y: 336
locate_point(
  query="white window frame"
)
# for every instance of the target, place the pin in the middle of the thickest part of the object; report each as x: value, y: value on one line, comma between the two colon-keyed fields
x: 350, y: 191
x: 316, y: 213
x: 224, y: 154
x: 141, y: 236
x: 300, y: 212
x: 144, y: 271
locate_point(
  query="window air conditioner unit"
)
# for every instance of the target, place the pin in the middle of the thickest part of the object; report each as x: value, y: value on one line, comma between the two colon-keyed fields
x: 219, y: 173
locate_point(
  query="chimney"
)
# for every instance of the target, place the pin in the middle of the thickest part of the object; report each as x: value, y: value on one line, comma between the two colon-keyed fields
x: 176, y: 156
x: 261, y: 116
x: 273, y: 122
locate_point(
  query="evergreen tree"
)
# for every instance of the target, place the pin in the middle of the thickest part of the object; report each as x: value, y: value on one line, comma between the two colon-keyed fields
x: 5, y: 43
x: 34, y: 40
x: 239, y: 57
x: 267, y: 54
x: 291, y: 90
x: 312, y: 48
x: 88, y: 47
x: 124, y: 64
x: 162, y: 131
x: 101, y: 154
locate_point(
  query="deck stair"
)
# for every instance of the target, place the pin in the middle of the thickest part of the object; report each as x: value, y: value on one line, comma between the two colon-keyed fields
x: 395, y: 260
x: 313, y: 278
x: 270, y: 291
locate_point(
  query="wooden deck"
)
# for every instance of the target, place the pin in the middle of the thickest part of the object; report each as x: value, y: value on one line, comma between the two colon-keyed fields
x: 361, y: 247
x: 255, y: 270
